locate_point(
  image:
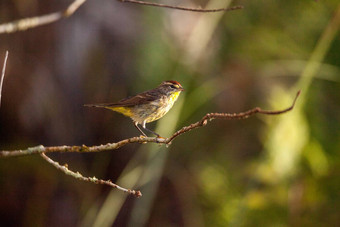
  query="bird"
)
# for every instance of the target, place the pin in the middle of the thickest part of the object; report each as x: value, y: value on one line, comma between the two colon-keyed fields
x: 147, y: 106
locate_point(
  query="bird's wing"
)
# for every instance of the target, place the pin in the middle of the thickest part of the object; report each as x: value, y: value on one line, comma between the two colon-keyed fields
x: 139, y: 99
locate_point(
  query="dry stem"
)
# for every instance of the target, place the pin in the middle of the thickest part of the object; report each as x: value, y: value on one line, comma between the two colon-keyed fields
x: 3, y: 74
x: 32, y: 22
x: 182, y: 8
x: 77, y: 175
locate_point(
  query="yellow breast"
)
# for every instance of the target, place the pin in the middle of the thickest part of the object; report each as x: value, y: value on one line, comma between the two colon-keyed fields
x: 174, y: 97
x: 163, y: 109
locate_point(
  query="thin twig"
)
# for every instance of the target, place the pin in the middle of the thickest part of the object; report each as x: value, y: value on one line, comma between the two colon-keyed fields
x: 77, y: 175
x: 182, y: 8
x: 112, y: 146
x: 3, y: 74
x: 228, y: 116
x: 32, y: 22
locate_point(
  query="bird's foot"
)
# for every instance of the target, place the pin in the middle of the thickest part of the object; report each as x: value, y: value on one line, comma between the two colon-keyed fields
x: 142, y: 136
x: 160, y: 139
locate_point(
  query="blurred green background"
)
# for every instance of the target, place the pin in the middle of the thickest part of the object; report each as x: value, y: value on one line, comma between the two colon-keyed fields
x: 263, y: 171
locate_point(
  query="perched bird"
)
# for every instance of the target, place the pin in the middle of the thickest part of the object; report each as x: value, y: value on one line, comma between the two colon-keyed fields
x: 147, y: 106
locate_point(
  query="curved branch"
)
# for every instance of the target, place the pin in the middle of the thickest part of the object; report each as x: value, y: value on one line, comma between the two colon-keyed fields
x: 182, y: 8
x: 77, y: 175
x: 32, y: 22
x: 112, y: 146
x: 228, y: 116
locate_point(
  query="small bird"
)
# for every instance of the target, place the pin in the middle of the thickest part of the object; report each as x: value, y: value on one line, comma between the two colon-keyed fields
x: 147, y: 106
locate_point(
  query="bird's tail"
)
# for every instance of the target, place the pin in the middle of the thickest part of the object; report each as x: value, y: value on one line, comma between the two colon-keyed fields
x: 120, y: 109
x: 103, y: 105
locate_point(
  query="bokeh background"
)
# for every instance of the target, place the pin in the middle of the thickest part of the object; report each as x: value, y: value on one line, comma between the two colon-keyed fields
x: 263, y: 171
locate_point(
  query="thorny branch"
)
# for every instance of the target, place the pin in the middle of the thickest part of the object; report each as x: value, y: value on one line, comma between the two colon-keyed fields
x: 94, y: 180
x: 112, y: 146
x: 3, y: 74
x: 32, y: 22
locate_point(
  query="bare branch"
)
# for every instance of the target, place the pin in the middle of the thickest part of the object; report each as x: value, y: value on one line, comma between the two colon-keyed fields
x: 112, y: 146
x: 228, y: 116
x: 94, y: 180
x: 182, y: 8
x: 80, y: 149
x: 32, y: 22
x: 3, y: 74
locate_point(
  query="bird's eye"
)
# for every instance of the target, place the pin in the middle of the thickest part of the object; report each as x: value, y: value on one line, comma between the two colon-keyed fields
x: 173, y: 86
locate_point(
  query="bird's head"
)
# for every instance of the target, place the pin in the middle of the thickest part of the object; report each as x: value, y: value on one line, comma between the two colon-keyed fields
x: 171, y: 87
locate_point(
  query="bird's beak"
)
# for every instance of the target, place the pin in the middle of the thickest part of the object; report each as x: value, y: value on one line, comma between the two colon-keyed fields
x: 181, y: 89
